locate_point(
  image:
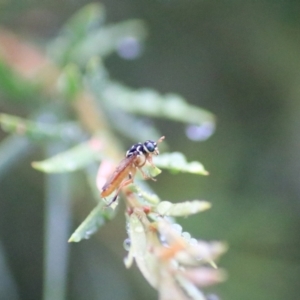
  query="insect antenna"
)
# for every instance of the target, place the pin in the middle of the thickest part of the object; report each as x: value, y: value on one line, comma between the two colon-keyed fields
x: 160, y: 139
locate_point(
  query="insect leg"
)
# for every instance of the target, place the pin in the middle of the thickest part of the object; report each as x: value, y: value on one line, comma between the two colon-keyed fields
x: 145, y: 176
x: 149, y: 158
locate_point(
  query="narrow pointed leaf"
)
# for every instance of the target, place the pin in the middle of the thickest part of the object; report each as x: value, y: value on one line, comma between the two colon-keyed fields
x: 85, y: 18
x: 37, y: 131
x: 190, y: 289
x: 149, y: 197
x: 168, y: 288
x: 208, y: 251
x: 151, y: 171
x: 76, y: 31
x: 187, y: 208
x: 137, y: 236
x: 90, y: 225
x: 106, y: 40
x: 205, y: 276
x: 70, y: 160
x: 146, y: 261
x: 70, y: 82
x: 176, y: 162
x: 139, y: 127
x: 150, y: 103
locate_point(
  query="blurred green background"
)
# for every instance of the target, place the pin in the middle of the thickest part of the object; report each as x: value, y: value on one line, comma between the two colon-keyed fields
x: 241, y: 61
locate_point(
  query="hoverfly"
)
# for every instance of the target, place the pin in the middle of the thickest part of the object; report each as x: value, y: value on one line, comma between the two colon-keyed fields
x: 136, y: 158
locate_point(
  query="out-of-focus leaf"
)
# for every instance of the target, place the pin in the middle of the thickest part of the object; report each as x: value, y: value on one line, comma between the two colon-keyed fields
x: 90, y: 15
x: 139, y: 127
x: 207, y: 251
x: 146, y: 261
x: 150, y: 103
x: 36, y: 130
x: 168, y: 288
x: 137, y: 236
x: 205, y: 276
x: 167, y: 208
x: 70, y: 160
x: 70, y: 82
x: 190, y: 289
x: 15, y: 86
x: 106, y: 40
x: 77, y: 28
x: 128, y: 260
x: 150, y: 170
x: 96, y: 71
x: 176, y: 162
x: 149, y: 197
x: 90, y: 225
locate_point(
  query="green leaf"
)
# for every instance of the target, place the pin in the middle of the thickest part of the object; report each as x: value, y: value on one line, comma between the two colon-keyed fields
x: 146, y: 261
x: 35, y: 130
x: 70, y: 82
x: 70, y: 160
x: 176, y: 162
x: 149, y: 197
x: 87, y: 17
x: 150, y: 103
x: 137, y: 236
x: 183, y: 209
x: 150, y: 170
x: 106, y: 40
x: 16, y: 87
x: 75, y: 31
x: 90, y: 225
x: 139, y: 127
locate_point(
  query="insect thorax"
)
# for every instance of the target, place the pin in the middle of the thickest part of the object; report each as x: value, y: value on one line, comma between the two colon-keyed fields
x: 136, y: 149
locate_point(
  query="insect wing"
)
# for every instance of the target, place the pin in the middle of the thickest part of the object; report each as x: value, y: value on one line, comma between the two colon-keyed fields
x: 125, y: 163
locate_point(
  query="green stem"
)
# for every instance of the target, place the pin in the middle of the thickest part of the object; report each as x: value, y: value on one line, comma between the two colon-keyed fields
x: 12, y: 150
x: 57, y: 225
x: 8, y: 286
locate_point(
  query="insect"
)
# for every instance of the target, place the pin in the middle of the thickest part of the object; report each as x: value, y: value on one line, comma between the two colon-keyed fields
x: 136, y: 158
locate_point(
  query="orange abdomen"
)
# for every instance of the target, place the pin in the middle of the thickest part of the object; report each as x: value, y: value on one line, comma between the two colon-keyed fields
x: 114, y: 182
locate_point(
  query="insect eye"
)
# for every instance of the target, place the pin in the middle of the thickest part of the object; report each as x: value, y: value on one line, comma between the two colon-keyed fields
x: 150, y: 146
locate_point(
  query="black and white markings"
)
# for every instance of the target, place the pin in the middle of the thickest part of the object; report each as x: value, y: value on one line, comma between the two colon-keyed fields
x: 142, y: 149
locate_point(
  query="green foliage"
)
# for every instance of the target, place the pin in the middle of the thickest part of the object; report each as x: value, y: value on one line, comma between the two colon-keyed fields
x: 37, y: 131
x: 150, y: 103
x: 91, y: 224
x: 166, y: 208
x: 70, y: 82
x: 176, y: 162
x: 92, y: 102
x: 14, y: 86
x: 85, y: 36
x: 70, y: 160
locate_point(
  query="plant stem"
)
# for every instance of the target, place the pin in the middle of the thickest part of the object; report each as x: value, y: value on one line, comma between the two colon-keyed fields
x: 57, y: 225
